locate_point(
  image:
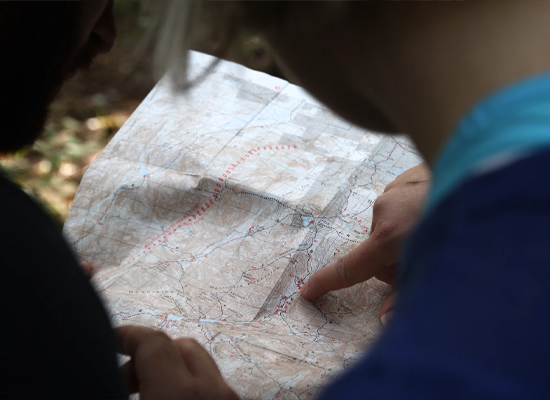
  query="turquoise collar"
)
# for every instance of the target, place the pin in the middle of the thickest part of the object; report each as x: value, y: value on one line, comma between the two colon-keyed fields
x: 509, y: 123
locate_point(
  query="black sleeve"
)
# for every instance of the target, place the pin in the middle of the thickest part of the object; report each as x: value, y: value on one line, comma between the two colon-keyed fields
x: 57, y: 341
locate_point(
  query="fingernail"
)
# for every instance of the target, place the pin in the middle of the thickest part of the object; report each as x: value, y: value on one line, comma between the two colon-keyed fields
x: 303, y: 290
x: 386, y: 318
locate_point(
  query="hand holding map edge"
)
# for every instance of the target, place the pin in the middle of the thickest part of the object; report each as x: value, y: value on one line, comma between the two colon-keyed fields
x: 170, y: 369
x: 395, y: 213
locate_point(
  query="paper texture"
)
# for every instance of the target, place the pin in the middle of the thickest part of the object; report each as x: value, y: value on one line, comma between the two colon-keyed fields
x: 208, y: 211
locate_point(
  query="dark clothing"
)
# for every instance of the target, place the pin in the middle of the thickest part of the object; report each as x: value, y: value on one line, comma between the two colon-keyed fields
x: 57, y: 340
x: 472, y: 318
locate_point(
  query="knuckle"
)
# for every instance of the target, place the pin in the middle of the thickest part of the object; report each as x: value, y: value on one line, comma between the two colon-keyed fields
x: 186, y: 344
x: 158, y: 342
x: 384, y: 230
x: 342, y: 272
x: 391, y: 185
x: 379, y: 203
x: 160, y: 336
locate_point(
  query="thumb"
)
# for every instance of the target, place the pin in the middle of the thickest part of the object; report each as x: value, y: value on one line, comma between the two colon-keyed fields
x: 362, y: 263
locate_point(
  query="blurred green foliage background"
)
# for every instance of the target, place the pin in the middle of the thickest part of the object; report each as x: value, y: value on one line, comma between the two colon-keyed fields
x: 95, y: 104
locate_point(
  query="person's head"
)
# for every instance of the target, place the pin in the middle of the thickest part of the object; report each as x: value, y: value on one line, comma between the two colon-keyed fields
x: 302, y: 35
x: 42, y: 44
x: 389, y: 66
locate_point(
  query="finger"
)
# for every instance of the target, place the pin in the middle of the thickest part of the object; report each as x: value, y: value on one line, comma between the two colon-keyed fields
x: 386, y: 312
x: 204, y: 368
x: 196, y: 357
x: 87, y: 268
x: 158, y: 365
x: 129, y: 372
x: 360, y: 264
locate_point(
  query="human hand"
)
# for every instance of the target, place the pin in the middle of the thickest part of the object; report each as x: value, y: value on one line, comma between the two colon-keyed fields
x: 394, y: 214
x: 162, y: 368
x: 87, y: 268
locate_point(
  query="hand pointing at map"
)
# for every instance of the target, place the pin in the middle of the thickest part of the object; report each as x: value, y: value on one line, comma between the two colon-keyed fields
x: 395, y: 212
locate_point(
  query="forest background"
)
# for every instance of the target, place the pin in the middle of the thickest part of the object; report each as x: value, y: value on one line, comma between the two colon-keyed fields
x: 95, y: 104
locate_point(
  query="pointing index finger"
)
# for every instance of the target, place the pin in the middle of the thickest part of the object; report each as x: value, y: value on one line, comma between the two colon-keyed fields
x: 360, y: 264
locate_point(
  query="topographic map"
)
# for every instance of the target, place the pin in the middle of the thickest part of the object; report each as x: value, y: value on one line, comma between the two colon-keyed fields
x: 208, y: 211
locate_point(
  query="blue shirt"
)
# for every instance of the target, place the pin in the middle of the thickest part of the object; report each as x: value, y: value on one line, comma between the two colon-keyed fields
x: 472, y: 318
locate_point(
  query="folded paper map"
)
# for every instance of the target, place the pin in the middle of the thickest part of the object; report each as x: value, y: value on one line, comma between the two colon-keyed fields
x: 208, y: 211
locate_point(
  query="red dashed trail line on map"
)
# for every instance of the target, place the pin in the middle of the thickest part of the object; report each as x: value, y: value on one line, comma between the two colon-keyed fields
x: 195, y: 215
